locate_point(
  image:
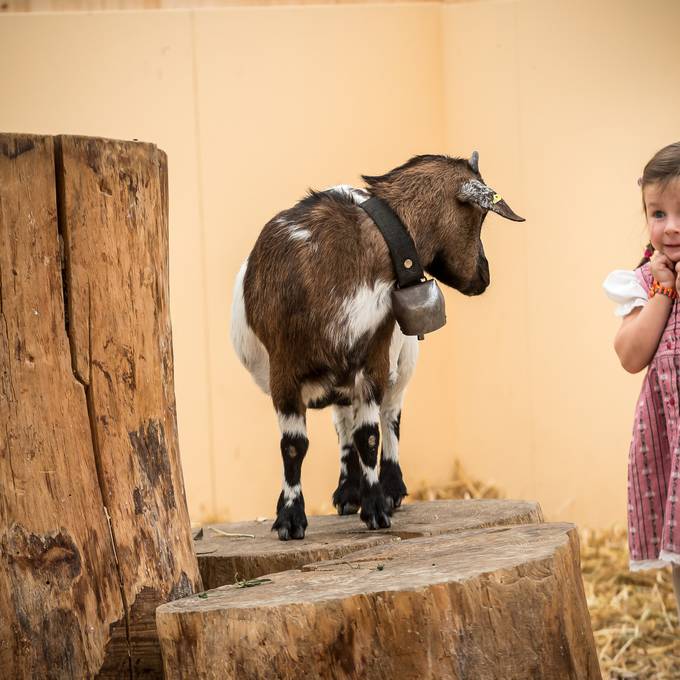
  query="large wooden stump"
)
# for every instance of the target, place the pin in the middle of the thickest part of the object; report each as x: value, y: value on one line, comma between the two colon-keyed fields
x: 94, y: 530
x: 223, y: 559
x: 505, y: 602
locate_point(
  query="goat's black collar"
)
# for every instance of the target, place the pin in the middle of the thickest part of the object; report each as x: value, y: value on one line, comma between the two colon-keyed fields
x: 399, y: 242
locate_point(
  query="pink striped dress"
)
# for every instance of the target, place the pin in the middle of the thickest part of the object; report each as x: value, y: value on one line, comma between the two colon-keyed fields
x: 654, y: 460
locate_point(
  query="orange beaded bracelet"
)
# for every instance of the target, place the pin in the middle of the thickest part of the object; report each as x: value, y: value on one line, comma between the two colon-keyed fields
x: 662, y: 290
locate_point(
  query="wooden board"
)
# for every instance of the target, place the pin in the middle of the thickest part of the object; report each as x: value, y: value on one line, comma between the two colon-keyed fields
x: 223, y: 560
x: 504, y: 602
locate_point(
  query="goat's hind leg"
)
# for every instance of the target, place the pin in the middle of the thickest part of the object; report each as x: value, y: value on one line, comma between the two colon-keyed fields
x: 347, y: 497
x: 291, y: 520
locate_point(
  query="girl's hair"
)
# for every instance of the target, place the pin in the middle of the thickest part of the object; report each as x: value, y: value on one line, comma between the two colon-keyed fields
x: 663, y: 167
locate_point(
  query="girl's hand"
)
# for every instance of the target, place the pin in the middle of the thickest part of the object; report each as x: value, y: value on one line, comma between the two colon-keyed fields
x: 663, y: 270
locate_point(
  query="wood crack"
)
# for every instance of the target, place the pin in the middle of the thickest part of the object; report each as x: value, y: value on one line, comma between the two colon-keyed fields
x: 11, y: 467
x: 91, y: 412
x: 86, y: 382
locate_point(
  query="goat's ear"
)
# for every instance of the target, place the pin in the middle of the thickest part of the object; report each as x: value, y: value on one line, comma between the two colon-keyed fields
x: 474, y: 162
x: 474, y: 191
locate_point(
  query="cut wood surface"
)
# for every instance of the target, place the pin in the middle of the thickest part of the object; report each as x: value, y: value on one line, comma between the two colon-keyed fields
x: 503, y: 602
x: 225, y: 559
x: 94, y: 531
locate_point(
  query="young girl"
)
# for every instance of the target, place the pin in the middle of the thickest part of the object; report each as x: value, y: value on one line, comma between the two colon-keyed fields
x: 649, y: 336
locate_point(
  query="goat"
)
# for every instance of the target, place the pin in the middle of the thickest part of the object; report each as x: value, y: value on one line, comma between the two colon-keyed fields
x: 312, y: 319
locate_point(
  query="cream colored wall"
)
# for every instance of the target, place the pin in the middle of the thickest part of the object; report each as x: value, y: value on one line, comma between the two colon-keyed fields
x: 255, y: 104
x: 566, y: 101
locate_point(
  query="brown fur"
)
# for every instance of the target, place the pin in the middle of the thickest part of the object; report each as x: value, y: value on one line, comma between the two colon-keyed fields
x: 317, y: 294
x: 291, y: 287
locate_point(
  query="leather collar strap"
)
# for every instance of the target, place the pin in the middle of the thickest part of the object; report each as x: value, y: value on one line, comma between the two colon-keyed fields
x: 399, y: 242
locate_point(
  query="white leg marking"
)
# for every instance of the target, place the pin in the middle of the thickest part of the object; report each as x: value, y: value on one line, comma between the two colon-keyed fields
x: 370, y: 474
x: 366, y: 413
x: 403, y: 357
x: 344, y: 423
x: 390, y: 443
x: 343, y: 420
x: 292, y: 425
x: 290, y: 493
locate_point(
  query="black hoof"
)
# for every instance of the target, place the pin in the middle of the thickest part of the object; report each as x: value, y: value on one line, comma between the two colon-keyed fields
x: 374, y: 510
x: 392, y: 485
x: 347, y: 509
x: 347, y: 498
x: 291, y: 520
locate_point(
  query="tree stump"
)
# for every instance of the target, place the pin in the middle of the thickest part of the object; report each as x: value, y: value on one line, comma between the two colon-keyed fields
x: 94, y: 529
x: 505, y: 602
x: 225, y: 559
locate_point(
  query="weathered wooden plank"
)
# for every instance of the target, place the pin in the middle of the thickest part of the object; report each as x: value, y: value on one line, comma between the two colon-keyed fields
x: 114, y: 213
x: 223, y: 560
x: 59, y: 591
x: 504, y: 602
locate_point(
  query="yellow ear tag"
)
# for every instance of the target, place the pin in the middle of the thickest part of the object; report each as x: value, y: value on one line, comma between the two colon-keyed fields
x: 496, y: 198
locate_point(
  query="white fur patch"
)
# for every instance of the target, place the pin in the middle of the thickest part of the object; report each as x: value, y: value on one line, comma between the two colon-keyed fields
x: 343, y: 419
x: 403, y: 356
x: 390, y: 443
x: 357, y: 195
x: 313, y: 392
x: 361, y: 313
x: 290, y: 493
x: 292, y: 425
x: 300, y: 234
x: 370, y: 474
x: 249, y: 349
x: 366, y: 414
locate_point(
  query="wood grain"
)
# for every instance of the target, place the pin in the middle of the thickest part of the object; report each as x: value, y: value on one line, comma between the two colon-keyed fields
x: 59, y: 590
x: 94, y: 530
x: 504, y: 602
x: 114, y: 217
x: 222, y: 559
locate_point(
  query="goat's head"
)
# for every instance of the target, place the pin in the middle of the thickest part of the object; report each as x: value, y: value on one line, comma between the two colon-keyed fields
x: 444, y: 200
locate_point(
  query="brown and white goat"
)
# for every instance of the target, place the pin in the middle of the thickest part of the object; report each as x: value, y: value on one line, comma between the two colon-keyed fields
x: 312, y: 319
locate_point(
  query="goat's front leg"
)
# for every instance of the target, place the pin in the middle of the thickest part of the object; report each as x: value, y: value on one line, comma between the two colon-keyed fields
x: 391, y: 479
x: 291, y: 520
x: 347, y: 497
x: 403, y: 357
x: 374, y: 508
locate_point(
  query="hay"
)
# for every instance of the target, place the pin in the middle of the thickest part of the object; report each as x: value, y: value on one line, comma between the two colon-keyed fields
x: 634, y: 614
x: 460, y: 486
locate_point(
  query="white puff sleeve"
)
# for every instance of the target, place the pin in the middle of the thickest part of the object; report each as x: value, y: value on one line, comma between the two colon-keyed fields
x: 624, y: 287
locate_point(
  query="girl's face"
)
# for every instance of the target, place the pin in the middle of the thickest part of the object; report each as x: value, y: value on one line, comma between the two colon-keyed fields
x: 662, y: 205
